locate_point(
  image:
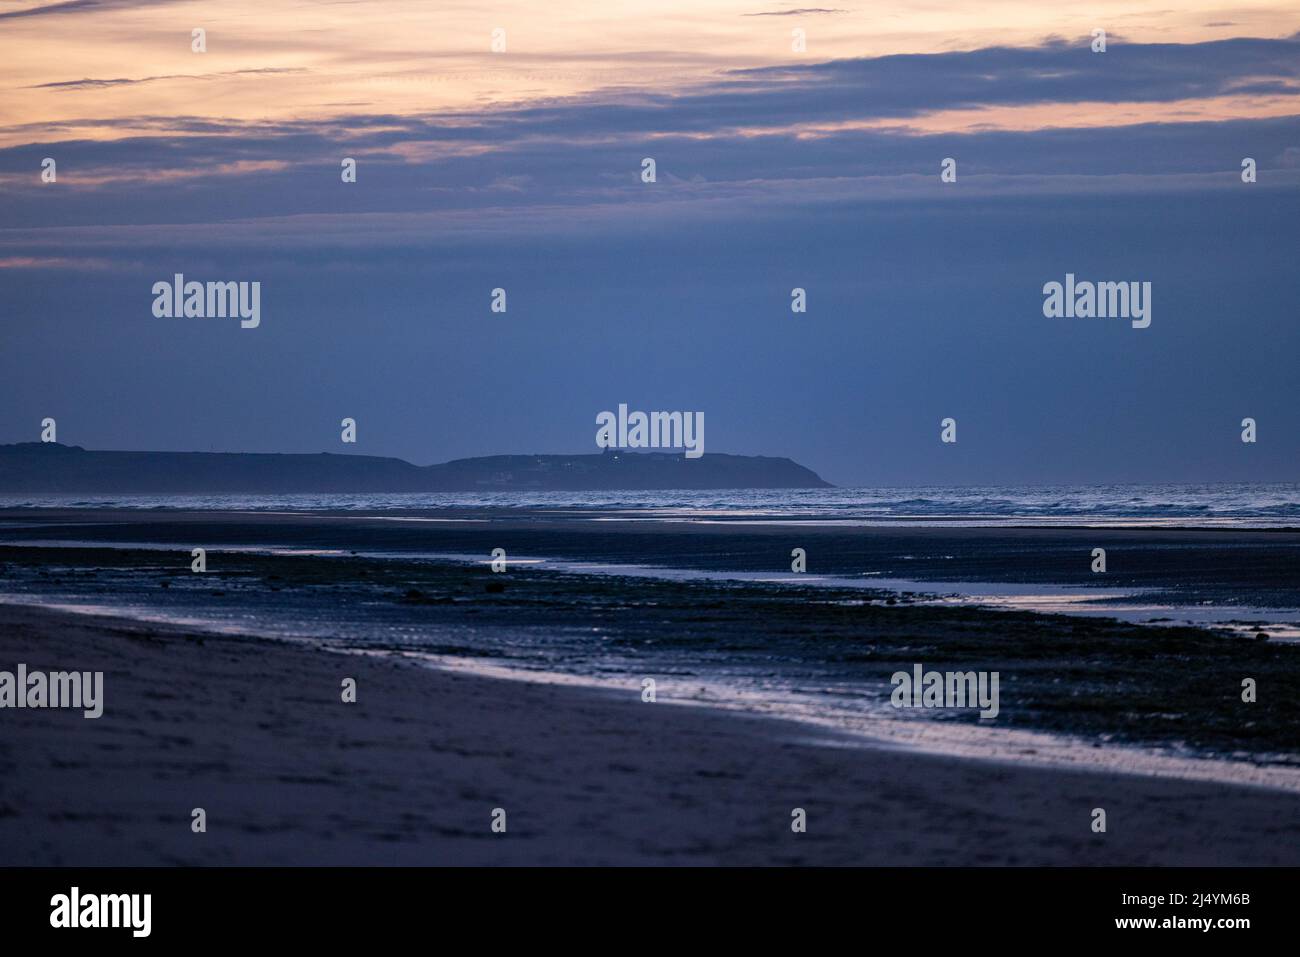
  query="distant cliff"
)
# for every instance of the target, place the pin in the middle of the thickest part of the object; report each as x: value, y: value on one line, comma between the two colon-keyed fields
x: 50, y: 467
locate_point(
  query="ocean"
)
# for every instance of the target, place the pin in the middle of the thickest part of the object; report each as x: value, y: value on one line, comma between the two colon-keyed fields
x: 1265, y: 505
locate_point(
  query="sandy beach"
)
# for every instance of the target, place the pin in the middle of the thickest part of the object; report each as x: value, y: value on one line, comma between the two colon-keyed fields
x: 255, y: 733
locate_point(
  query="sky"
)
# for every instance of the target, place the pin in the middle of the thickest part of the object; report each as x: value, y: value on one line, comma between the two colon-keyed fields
x: 781, y: 162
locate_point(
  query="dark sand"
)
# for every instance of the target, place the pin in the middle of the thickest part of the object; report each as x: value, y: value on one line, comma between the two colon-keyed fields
x: 254, y: 732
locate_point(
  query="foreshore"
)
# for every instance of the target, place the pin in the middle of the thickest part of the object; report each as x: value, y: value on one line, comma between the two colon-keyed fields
x: 256, y: 733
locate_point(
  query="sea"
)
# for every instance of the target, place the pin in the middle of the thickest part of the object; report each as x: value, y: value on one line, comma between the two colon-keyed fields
x: 1233, y: 505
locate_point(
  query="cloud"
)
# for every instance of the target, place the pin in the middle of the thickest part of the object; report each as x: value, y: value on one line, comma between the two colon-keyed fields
x: 800, y: 12
x: 816, y: 134
x: 126, y: 81
x: 54, y: 262
x: 79, y: 6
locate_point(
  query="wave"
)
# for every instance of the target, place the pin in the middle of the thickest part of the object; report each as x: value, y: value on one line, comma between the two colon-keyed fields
x: 1250, y: 504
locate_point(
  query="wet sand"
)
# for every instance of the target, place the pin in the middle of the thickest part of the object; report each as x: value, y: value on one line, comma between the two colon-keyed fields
x: 254, y: 732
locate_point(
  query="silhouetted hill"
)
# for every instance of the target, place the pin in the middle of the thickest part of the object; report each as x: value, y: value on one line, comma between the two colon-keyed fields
x: 51, y: 467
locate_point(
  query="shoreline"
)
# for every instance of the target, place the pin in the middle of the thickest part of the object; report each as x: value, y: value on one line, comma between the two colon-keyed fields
x: 757, y: 629
x: 520, y: 688
x: 1060, y: 751
x: 412, y: 771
